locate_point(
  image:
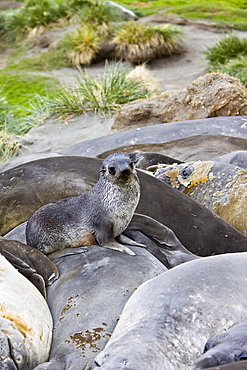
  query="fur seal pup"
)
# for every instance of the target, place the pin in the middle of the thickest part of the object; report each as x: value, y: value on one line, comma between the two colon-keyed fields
x: 168, y: 319
x: 97, y: 216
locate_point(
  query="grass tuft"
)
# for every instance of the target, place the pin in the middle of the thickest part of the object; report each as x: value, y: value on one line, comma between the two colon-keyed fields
x: 83, y: 45
x: 9, y: 145
x: 229, y: 55
x: 236, y: 67
x: 229, y: 47
x: 103, y: 94
x: 138, y: 43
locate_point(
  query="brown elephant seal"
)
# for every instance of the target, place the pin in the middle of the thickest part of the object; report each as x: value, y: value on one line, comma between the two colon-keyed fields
x: 221, y: 187
x: 237, y: 158
x: 97, y: 216
x: 28, y: 187
x: 26, y: 321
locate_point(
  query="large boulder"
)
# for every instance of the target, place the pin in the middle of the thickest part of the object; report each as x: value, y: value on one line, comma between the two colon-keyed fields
x: 212, y: 95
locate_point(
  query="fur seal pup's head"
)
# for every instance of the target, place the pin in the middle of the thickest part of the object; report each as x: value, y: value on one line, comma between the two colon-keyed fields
x: 118, y: 167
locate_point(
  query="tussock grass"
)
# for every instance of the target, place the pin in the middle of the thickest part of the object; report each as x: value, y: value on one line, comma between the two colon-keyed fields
x: 229, y: 47
x: 99, y: 15
x: 236, y: 67
x: 83, y: 44
x: 102, y: 94
x: 9, y: 146
x: 229, y: 55
x: 138, y: 43
x: 33, y: 16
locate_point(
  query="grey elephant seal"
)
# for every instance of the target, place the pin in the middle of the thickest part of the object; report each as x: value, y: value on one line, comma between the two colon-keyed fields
x: 167, y: 320
x: 88, y: 298
x: 97, y: 216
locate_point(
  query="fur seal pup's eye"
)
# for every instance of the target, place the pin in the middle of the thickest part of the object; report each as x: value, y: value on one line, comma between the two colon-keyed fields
x: 112, y: 170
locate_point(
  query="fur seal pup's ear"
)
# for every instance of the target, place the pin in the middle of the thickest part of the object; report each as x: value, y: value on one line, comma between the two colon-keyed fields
x: 135, y: 157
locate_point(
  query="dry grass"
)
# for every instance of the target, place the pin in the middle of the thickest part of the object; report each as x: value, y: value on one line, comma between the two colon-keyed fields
x: 84, y: 45
x: 142, y: 74
x: 9, y: 146
x: 138, y: 43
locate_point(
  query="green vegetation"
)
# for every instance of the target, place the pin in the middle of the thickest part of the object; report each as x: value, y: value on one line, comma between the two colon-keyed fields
x: 229, y: 55
x: 21, y: 90
x: 236, y: 67
x: 138, y: 43
x: 26, y: 100
x: 18, y: 96
x: 44, y: 61
x: 229, y: 47
x: 101, y: 94
x: 83, y: 45
x: 232, y: 13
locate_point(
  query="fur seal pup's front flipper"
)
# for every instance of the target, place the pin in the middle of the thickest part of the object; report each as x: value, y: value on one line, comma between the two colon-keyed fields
x: 104, y: 236
x: 169, y: 245
x: 30, y: 262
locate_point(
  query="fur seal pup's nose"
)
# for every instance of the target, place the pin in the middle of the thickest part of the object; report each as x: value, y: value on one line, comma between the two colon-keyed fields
x: 98, y: 216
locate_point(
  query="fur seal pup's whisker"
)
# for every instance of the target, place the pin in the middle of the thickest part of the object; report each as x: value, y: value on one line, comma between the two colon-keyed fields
x: 124, y: 239
x: 97, y: 216
x: 120, y: 247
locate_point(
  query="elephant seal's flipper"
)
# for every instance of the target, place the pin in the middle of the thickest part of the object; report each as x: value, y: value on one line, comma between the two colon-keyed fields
x: 30, y: 262
x: 169, y: 245
x: 225, y: 348
x: 55, y: 364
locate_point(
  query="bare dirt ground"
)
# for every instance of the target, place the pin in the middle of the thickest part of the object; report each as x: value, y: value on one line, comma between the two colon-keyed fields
x: 172, y: 73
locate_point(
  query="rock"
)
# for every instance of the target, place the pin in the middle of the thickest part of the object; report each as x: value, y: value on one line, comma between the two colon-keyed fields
x: 211, y: 95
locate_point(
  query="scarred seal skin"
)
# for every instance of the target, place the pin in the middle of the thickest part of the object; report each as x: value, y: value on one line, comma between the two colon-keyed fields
x: 167, y: 320
x: 26, y: 322
x: 220, y: 187
x: 88, y: 298
x: 97, y: 216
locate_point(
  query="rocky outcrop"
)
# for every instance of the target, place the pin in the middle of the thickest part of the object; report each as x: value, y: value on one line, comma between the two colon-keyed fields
x: 212, y: 95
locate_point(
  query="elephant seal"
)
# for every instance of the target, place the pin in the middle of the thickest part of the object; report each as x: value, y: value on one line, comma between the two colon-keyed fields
x: 220, y: 187
x: 30, y: 262
x: 237, y: 158
x: 224, y: 348
x: 168, y: 319
x: 224, y: 134
x: 26, y: 322
x: 88, y: 297
x: 97, y: 216
x: 146, y: 159
x: 26, y: 188
x: 240, y: 365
